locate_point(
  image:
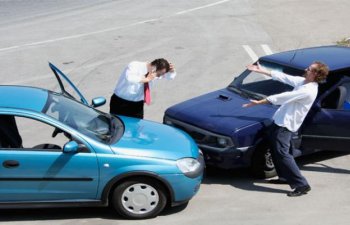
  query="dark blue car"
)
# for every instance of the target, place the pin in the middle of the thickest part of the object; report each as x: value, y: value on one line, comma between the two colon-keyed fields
x: 231, y: 136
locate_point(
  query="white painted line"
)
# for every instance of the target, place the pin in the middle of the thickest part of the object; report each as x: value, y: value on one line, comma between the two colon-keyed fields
x: 201, y: 7
x: 267, y: 49
x: 250, y: 52
x: 76, y: 36
x: 108, y: 29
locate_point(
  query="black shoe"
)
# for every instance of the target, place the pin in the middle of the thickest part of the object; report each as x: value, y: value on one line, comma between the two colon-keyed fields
x: 277, y: 181
x: 299, y: 191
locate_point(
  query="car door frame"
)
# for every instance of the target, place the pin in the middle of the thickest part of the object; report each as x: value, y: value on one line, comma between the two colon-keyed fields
x: 317, y: 136
x: 58, y: 74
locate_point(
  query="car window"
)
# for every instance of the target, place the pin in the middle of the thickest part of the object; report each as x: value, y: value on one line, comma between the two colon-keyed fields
x: 346, y: 105
x: 9, y: 135
x: 88, y: 121
x: 338, y: 98
x: 27, y: 133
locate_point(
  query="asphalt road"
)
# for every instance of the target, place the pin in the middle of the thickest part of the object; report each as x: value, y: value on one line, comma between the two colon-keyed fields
x: 210, y: 42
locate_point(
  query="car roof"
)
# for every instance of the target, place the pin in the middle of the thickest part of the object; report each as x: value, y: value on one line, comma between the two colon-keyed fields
x: 21, y: 97
x: 336, y: 57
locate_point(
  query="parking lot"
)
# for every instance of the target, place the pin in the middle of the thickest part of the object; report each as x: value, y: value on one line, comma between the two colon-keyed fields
x: 210, y: 42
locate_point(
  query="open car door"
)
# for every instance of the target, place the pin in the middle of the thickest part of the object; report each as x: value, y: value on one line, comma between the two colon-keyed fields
x: 74, y: 92
x: 328, y: 125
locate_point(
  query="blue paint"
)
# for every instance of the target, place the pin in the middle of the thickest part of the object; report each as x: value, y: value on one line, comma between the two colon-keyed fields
x: 219, y: 116
x: 79, y: 176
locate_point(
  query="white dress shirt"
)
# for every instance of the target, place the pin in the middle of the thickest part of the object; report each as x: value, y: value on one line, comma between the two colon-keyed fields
x: 130, y: 87
x: 295, y: 104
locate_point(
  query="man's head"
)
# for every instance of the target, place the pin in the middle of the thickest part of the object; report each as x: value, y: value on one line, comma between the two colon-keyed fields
x: 316, y: 72
x: 162, y: 66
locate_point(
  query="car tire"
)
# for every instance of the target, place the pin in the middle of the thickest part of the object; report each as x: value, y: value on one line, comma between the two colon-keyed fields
x: 262, y: 164
x: 139, y: 198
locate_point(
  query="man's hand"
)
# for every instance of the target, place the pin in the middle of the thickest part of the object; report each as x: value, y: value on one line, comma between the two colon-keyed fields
x: 151, y: 76
x: 251, y: 103
x: 259, y: 69
x: 255, y: 102
x: 255, y: 68
x: 172, y: 68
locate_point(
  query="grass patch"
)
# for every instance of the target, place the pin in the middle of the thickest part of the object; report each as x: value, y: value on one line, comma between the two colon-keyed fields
x: 344, y: 42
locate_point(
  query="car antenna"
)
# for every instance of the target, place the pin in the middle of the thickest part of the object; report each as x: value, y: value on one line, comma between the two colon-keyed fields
x: 295, y: 53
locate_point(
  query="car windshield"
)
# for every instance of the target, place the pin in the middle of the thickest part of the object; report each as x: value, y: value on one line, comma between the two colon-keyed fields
x: 90, y: 122
x: 258, y: 86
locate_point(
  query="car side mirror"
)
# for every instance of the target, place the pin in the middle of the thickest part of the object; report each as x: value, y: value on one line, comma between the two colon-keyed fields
x: 99, y: 101
x: 71, y: 147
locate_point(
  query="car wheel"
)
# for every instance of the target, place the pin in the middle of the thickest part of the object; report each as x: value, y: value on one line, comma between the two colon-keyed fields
x: 139, y: 198
x: 262, y: 165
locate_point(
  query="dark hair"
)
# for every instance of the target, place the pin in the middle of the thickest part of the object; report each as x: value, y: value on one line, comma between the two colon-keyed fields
x: 161, y: 64
x: 321, y: 71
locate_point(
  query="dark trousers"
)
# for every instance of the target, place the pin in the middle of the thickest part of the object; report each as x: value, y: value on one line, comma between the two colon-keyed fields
x: 124, y: 107
x: 282, y: 156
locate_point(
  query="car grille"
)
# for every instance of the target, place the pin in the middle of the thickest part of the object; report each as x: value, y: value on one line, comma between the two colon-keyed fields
x: 201, y: 137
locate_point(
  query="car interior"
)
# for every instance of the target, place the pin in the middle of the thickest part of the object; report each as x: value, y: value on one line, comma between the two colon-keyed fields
x: 336, y: 99
x: 10, y: 135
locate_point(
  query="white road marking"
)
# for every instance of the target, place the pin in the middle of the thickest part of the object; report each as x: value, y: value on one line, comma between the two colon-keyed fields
x: 267, y: 49
x: 250, y: 52
x: 77, y: 35
x: 108, y: 29
x: 201, y: 7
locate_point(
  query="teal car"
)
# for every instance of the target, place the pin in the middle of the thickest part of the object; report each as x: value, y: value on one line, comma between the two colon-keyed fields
x: 56, y: 150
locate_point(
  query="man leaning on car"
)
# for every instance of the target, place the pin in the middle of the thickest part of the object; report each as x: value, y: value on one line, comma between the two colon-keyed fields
x: 294, y: 106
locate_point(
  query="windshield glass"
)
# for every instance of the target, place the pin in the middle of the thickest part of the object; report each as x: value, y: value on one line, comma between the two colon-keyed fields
x: 257, y: 86
x: 90, y: 122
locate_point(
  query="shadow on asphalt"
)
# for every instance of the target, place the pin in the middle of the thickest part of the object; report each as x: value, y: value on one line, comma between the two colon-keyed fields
x: 106, y: 213
x: 242, y: 179
x: 236, y: 178
x: 57, y: 214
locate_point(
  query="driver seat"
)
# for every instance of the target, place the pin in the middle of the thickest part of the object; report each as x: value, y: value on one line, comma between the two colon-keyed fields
x: 336, y: 99
x: 342, y: 96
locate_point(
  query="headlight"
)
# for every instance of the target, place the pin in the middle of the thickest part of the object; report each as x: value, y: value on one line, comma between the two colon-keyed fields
x: 222, y: 142
x: 190, y: 167
x: 168, y: 122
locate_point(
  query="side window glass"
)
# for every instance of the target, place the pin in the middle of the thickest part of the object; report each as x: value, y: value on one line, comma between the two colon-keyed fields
x: 338, y: 99
x: 346, y: 105
x: 9, y: 135
x: 26, y: 133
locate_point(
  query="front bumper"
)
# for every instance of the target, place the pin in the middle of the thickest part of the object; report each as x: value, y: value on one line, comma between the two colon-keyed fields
x: 223, y: 157
x: 229, y: 158
x: 183, y: 188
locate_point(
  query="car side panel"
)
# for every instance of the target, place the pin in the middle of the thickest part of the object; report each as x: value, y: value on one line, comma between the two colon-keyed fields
x: 48, y: 176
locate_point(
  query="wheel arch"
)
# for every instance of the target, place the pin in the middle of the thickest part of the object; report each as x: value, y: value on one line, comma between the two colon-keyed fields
x: 106, y: 194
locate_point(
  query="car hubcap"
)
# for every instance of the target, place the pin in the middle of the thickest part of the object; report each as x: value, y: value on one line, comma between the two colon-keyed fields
x: 268, y: 160
x: 140, y: 198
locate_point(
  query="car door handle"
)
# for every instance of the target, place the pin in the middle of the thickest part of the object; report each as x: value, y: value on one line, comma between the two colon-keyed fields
x: 10, y: 164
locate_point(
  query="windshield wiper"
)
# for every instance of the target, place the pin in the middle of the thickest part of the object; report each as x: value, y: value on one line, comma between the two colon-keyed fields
x: 238, y: 91
x: 253, y: 95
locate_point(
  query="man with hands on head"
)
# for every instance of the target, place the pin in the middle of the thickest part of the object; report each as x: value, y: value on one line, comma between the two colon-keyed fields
x: 294, y: 106
x: 134, y: 86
